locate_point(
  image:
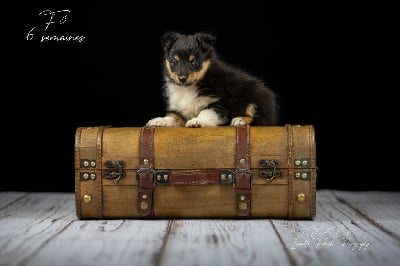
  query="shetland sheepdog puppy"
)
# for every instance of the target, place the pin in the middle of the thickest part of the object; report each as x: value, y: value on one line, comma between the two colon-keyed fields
x: 203, y: 91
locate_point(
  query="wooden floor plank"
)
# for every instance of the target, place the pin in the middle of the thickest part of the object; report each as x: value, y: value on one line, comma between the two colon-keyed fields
x: 380, y: 208
x: 223, y: 242
x: 9, y: 197
x: 31, y: 223
x: 337, y: 236
x: 105, y: 242
x: 350, y: 228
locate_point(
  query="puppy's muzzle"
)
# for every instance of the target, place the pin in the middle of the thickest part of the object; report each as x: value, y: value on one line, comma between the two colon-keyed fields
x: 182, y: 79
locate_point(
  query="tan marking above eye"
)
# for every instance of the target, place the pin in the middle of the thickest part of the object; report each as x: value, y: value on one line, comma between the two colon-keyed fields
x: 191, y: 57
x: 176, y: 57
x: 195, y: 76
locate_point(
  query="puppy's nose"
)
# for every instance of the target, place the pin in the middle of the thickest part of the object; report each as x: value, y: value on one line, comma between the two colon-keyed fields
x: 182, y: 79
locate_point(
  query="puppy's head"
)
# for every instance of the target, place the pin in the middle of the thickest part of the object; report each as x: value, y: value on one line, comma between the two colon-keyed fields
x: 187, y: 57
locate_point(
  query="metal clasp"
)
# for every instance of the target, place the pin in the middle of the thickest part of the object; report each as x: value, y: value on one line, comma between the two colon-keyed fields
x: 272, y: 170
x: 116, y: 171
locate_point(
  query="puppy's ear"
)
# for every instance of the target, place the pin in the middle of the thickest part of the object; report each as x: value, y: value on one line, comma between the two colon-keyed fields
x: 168, y: 39
x: 206, y: 40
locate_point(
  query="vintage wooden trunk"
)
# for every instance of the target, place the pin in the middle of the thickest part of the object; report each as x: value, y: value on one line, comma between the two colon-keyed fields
x: 218, y: 172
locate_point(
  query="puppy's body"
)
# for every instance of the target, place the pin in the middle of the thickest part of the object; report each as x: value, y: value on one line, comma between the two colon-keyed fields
x: 203, y: 91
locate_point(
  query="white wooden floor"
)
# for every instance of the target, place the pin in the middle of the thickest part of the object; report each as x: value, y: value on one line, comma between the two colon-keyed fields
x: 351, y: 228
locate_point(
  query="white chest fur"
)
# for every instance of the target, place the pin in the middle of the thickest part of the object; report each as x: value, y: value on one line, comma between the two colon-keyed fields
x: 186, y: 100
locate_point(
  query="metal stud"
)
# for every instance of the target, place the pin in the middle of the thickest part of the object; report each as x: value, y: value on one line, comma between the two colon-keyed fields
x: 230, y: 177
x: 165, y: 177
x: 223, y: 176
x: 301, y: 197
x: 242, y: 197
x: 86, y: 163
x: 243, y: 206
x: 158, y: 177
x: 241, y: 161
x: 304, y: 162
x: 297, y: 162
x: 85, y: 175
x: 144, y: 205
x: 93, y: 176
x: 92, y: 163
x: 144, y: 196
x: 304, y: 175
x: 145, y: 161
x: 297, y: 174
x: 87, y: 198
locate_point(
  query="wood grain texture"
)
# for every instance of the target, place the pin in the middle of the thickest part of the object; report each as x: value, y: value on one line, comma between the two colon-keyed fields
x: 339, y: 235
x: 31, y: 223
x: 105, y: 242
x: 10, y: 197
x: 350, y: 228
x: 223, y: 242
x: 186, y: 155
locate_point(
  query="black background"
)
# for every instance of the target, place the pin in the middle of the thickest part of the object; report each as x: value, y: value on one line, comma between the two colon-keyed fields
x: 316, y: 55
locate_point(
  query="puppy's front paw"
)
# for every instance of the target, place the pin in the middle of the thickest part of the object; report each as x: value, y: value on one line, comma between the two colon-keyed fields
x: 197, y: 122
x: 162, y: 122
x: 240, y: 121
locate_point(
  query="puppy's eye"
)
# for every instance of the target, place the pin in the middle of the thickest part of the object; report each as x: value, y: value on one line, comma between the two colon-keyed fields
x: 174, y: 62
x: 194, y: 63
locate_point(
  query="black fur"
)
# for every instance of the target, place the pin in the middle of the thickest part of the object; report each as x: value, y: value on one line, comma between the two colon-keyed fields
x: 232, y: 88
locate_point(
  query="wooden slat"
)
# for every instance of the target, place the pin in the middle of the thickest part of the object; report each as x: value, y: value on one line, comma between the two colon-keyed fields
x: 380, y: 208
x: 338, y: 236
x: 31, y: 223
x: 10, y: 197
x: 350, y: 228
x: 223, y: 242
x: 105, y: 242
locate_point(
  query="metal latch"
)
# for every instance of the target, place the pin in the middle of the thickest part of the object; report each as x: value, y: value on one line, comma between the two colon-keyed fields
x: 272, y: 170
x: 115, y: 171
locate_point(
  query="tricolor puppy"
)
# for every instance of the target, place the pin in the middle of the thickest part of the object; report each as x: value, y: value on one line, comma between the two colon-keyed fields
x: 203, y: 91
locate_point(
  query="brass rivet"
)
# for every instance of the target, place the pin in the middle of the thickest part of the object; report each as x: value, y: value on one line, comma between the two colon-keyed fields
x: 85, y: 163
x: 144, y: 205
x: 241, y: 161
x: 92, y: 163
x: 301, y: 197
x: 297, y: 174
x: 145, y: 161
x: 144, y: 196
x: 85, y: 175
x: 158, y: 177
x: 304, y: 175
x: 165, y: 177
x: 229, y: 176
x: 297, y: 162
x: 242, y: 197
x: 305, y: 162
x: 92, y: 176
x: 223, y: 176
x: 86, y: 198
x: 243, y: 206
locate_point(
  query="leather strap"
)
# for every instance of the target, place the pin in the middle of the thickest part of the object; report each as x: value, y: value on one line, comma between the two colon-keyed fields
x: 194, y: 177
x: 145, y: 174
x: 243, y: 175
x: 290, y: 151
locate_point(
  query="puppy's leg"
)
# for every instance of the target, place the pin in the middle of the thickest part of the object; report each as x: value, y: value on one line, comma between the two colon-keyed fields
x: 206, y: 118
x: 241, y: 121
x: 247, y: 119
x: 170, y: 120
